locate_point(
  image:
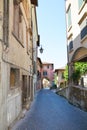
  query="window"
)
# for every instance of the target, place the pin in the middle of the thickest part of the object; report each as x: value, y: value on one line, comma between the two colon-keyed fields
x: 24, y: 89
x: 14, y: 77
x: 62, y: 75
x: 17, y: 22
x: 70, y: 45
x: 48, y: 66
x: 44, y: 73
x: 80, y: 2
x: 69, y: 15
x: 84, y: 32
x: 38, y: 75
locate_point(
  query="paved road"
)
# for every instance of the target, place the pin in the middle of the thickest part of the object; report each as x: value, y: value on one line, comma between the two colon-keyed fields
x: 52, y: 112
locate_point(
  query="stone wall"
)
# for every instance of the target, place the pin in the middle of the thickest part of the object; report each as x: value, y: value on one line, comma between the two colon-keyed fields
x: 64, y: 92
x: 78, y: 97
x: 75, y: 95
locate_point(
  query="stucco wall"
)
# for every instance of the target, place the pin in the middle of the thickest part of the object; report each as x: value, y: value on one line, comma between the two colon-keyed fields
x: 13, y: 107
x: 15, y: 55
x: 73, y: 33
x: 49, y: 70
x: 17, y: 52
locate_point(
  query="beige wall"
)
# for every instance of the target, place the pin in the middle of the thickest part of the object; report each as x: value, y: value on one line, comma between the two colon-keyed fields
x: 16, y: 56
x: 16, y: 52
x: 74, y: 31
x: 79, y: 51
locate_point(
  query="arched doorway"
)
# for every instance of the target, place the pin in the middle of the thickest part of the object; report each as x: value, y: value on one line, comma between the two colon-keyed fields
x: 46, y: 82
x: 80, y: 55
x: 77, y: 90
x: 79, y: 58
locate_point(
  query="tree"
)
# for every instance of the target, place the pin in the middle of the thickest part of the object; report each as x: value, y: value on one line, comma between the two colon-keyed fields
x: 55, y: 79
x: 80, y: 69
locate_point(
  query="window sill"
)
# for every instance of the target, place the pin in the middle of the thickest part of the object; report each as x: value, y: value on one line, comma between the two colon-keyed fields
x: 14, y: 91
x: 17, y: 39
x: 70, y: 35
x: 70, y: 51
x: 69, y: 28
x: 82, y: 18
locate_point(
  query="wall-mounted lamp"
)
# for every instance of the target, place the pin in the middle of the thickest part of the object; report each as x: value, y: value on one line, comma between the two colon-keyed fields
x: 41, y: 50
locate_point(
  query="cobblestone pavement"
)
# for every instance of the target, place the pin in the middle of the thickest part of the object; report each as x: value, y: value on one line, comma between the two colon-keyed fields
x: 52, y: 112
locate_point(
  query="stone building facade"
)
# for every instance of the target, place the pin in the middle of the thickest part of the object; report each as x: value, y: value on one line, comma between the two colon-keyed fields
x: 60, y: 77
x: 47, y: 74
x: 16, y: 58
x: 76, y: 33
x: 39, y: 77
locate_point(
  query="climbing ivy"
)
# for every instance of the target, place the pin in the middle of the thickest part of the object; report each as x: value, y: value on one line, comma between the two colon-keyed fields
x: 80, y: 68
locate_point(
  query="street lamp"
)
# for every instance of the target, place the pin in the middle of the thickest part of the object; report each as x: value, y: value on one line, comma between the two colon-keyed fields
x: 41, y: 49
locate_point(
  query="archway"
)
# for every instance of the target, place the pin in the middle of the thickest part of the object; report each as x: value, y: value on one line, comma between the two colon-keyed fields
x: 80, y: 55
x: 78, y: 59
x: 46, y: 82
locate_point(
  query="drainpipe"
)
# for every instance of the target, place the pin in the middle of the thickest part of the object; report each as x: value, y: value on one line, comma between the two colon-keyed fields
x: 6, y: 22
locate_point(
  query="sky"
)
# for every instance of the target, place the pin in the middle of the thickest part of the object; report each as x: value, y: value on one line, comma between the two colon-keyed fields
x: 52, y: 30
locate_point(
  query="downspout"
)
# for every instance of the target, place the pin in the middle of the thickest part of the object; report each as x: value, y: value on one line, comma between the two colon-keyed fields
x: 4, y: 40
x: 31, y: 97
x: 34, y: 56
x: 6, y: 22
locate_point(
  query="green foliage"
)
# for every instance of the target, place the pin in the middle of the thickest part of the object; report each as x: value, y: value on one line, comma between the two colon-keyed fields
x: 66, y: 73
x: 80, y: 69
x: 55, y: 78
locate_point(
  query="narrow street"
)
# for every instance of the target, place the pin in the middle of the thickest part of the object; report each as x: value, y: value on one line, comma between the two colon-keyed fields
x: 52, y: 112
